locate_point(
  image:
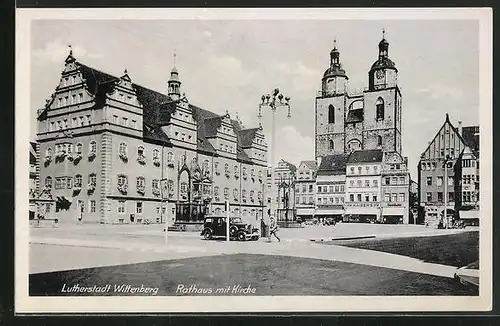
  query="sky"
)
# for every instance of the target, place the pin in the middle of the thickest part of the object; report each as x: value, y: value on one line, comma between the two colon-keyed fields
x: 227, y: 65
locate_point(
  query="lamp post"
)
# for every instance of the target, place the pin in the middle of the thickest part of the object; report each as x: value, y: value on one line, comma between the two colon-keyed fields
x: 445, y: 216
x: 273, y: 102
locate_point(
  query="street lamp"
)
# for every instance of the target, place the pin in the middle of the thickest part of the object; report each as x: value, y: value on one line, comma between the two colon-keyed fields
x: 273, y: 102
x: 445, y: 165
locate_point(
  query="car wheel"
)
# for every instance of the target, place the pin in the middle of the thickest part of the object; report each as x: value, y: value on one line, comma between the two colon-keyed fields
x: 241, y: 236
x: 255, y: 238
x: 207, y: 235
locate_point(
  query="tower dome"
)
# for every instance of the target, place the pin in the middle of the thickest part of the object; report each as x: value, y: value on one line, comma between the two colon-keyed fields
x: 335, y: 69
x: 174, y: 84
x: 383, y: 60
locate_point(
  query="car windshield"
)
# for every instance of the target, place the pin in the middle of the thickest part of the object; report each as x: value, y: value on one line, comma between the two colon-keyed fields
x: 236, y: 220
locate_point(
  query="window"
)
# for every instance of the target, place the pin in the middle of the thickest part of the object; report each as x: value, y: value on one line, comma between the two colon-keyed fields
x: 155, y: 184
x: 48, y: 152
x: 351, y: 197
x: 303, y: 188
x: 352, y: 170
x: 331, y: 114
x: 81, y: 121
x: 73, y: 98
x: 92, y: 147
x: 387, y: 197
x: 375, y: 169
x: 92, y: 179
x: 359, y: 183
x: 138, y: 207
x: 374, y: 198
x: 141, y: 182
x: 235, y: 193
x: 394, y: 197
x: 319, y: 201
x: 375, y: 183
x: 330, y: 189
x: 92, y: 206
x: 68, y: 183
x: 351, y: 183
x: 310, y: 188
x: 379, y: 140
x: 429, y: 196
x: 451, y: 196
x: 140, y: 151
x: 80, y: 97
x: 123, y: 148
x: 401, y: 197
x: 359, y: 169
x: 330, y: 145
x: 440, y: 196
x: 48, y: 182
x: 450, y: 181
x: 89, y: 119
x: 216, y: 191
x: 380, y: 108
x: 402, y: 180
x: 367, y: 198
x: 78, y: 181
x: 387, y: 181
x: 124, y: 121
x: 429, y: 181
x: 319, y: 189
x: 359, y: 197
x: 367, y: 183
x: 121, y: 207
x: 79, y: 148
x: 122, y: 180
x: 226, y: 192
x: 115, y: 119
x: 439, y: 181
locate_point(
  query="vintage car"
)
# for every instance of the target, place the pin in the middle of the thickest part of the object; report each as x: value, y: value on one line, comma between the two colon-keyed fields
x: 215, y: 226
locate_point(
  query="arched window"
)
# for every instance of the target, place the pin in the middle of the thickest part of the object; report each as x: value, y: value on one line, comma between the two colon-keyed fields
x: 331, y: 114
x: 92, y: 147
x: 330, y: 144
x: 380, y: 108
x: 48, y: 152
x: 48, y: 182
x: 379, y: 140
x: 170, y: 157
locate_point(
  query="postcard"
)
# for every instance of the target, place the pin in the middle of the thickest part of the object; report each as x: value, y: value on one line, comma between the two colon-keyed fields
x: 253, y: 160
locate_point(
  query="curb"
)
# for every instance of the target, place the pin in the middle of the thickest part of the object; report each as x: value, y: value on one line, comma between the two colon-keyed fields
x: 467, y: 276
x: 343, y: 238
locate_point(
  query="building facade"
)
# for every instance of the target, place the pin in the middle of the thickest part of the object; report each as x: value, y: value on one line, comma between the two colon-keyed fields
x: 112, y: 151
x: 305, y: 189
x: 330, y: 185
x: 450, y: 167
x: 285, y: 178
x: 363, y: 186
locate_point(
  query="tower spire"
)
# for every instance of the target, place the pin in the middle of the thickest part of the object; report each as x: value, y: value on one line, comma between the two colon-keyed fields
x: 70, y: 49
x: 174, y: 83
x: 383, y: 33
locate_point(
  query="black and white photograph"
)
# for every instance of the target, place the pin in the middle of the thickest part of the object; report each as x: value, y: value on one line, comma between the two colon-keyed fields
x: 253, y: 160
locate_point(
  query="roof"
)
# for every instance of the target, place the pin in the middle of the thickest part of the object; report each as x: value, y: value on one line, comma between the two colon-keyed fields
x: 471, y: 137
x: 383, y: 62
x: 365, y: 156
x: 333, y: 164
x: 356, y: 115
x: 158, y: 109
x: 334, y: 70
x: 32, y: 152
x: 247, y: 136
x: 310, y: 164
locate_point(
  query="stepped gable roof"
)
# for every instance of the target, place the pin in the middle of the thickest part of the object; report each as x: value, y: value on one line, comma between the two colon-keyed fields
x: 333, y: 164
x: 471, y: 137
x: 365, y: 156
x: 291, y: 166
x: 356, y: 115
x: 310, y: 164
x: 32, y: 152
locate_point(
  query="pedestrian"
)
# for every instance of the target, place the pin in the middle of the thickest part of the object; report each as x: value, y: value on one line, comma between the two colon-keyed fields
x: 274, y: 228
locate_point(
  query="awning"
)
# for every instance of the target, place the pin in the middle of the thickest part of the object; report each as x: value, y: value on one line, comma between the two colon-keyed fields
x: 305, y: 211
x: 362, y: 211
x: 467, y: 215
x: 329, y: 212
x: 393, y: 211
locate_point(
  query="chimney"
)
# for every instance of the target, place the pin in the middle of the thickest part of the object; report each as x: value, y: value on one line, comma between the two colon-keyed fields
x: 460, y: 127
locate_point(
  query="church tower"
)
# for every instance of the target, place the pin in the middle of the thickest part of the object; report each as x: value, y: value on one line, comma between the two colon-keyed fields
x: 382, y: 104
x: 174, y: 84
x: 330, y: 108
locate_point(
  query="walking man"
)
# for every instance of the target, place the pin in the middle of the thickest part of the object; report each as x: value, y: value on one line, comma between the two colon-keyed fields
x: 274, y: 227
